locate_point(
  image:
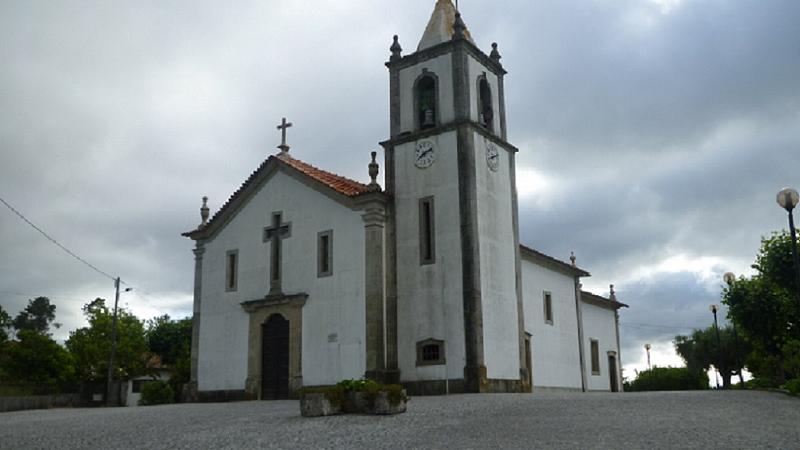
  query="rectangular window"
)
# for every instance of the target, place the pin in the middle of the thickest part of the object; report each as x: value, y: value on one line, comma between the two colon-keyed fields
x: 595, y: 357
x: 548, y: 308
x: 427, y: 243
x: 325, y: 254
x: 231, y: 272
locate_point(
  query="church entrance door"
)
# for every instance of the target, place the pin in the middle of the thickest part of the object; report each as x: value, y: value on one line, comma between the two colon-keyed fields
x: 612, y: 372
x: 275, y: 358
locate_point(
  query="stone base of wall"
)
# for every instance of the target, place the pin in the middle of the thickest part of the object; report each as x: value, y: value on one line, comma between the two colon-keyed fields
x: 39, y: 402
x: 458, y: 386
x: 557, y: 390
x: 223, y: 396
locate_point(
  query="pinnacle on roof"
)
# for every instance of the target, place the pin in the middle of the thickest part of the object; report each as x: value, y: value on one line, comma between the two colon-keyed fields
x: 440, y: 27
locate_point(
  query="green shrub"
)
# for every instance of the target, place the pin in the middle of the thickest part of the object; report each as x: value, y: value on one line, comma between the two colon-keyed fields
x: 760, y: 383
x: 669, y: 379
x: 156, y: 393
x: 793, y: 386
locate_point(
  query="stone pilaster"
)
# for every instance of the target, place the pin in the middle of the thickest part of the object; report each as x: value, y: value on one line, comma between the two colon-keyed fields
x: 198, y: 251
x: 374, y: 222
x: 581, y: 344
x: 524, y: 370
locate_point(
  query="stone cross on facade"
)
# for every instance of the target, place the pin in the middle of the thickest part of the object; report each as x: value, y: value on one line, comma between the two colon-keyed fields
x: 275, y: 235
x: 283, y: 126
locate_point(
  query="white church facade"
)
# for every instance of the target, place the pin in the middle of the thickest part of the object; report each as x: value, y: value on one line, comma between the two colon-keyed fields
x: 305, y: 278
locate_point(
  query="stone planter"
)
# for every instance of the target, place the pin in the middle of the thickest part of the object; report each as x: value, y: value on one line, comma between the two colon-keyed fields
x: 318, y: 404
x: 378, y: 403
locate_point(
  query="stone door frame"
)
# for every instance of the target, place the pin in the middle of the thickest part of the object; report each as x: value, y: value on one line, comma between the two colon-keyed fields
x: 290, y: 307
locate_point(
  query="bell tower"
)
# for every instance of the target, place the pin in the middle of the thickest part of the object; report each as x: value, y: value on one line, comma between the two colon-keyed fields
x: 454, y: 300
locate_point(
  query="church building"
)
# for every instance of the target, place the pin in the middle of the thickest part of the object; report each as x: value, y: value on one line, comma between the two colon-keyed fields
x: 305, y: 278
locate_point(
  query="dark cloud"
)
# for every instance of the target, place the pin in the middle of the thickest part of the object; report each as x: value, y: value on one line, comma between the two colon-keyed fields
x: 653, y: 134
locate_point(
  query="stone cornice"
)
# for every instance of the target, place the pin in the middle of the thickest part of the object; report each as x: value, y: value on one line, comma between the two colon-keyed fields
x: 452, y: 126
x: 444, y: 48
x: 298, y: 300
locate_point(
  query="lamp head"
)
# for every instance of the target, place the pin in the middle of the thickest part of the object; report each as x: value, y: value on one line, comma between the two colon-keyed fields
x: 713, y: 308
x: 647, y: 346
x: 729, y: 278
x: 788, y: 198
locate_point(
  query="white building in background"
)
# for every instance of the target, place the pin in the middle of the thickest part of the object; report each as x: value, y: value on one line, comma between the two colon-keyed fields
x: 304, y: 277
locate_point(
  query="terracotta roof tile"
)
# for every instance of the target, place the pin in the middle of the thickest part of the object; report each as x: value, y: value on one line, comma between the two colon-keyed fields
x: 344, y: 186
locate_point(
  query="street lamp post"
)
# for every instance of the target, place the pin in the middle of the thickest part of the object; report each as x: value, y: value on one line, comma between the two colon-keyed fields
x: 647, y: 349
x: 788, y: 199
x: 730, y: 278
x: 714, y: 309
x: 113, y: 352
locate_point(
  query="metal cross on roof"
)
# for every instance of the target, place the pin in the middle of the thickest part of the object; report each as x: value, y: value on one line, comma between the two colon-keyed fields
x: 283, y: 126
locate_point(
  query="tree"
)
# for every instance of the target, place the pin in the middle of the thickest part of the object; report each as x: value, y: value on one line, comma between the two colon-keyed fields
x: 37, y: 316
x: 37, y: 359
x: 171, y: 340
x: 5, y: 324
x: 90, y: 346
x: 766, y: 309
x: 700, y: 351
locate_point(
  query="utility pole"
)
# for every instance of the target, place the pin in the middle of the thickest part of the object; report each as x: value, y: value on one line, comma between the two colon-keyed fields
x: 113, y: 353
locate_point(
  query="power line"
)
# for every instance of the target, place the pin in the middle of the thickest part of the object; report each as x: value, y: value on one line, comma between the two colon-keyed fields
x: 69, y: 252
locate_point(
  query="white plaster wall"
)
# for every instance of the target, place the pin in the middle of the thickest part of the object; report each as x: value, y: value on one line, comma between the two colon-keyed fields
x: 554, y: 348
x: 430, y: 300
x: 476, y: 69
x: 335, y: 305
x: 497, y: 264
x: 598, y: 323
x: 442, y: 66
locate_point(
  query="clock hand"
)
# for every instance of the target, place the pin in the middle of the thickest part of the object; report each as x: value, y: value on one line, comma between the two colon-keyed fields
x: 426, y: 152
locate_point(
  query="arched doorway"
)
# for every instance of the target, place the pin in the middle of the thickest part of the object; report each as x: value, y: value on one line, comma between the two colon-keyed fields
x: 275, y: 358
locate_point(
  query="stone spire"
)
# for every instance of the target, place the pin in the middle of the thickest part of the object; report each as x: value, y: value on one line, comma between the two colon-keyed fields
x: 613, y: 295
x: 442, y: 26
x: 396, y: 49
x: 573, y: 259
x: 495, y: 55
x: 204, y: 212
x: 373, y: 173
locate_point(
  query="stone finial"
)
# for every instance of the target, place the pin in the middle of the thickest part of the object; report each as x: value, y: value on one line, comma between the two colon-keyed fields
x: 204, y: 212
x: 458, y: 27
x: 613, y: 295
x: 373, y: 172
x: 573, y: 259
x: 396, y: 49
x: 495, y: 55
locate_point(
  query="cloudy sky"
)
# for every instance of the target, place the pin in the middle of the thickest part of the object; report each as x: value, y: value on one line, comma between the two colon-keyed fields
x: 653, y: 134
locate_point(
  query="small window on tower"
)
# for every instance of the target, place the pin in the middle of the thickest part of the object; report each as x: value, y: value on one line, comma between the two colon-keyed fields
x: 485, y: 110
x: 427, y: 244
x: 426, y: 102
x: 548, y: 308
x: 325, y: 254
x: 231, y: 275
x: 430, y: 352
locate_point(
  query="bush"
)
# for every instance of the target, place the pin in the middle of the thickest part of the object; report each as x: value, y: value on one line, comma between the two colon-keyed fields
x: 669, y: 379
x: 156, y: 393
x: 760, y: 383
x: 793, y: 386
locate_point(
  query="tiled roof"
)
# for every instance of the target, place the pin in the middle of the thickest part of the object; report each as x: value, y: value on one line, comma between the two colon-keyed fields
x: 600, y: 300
x: 345, y: 186
x: 528, y: 251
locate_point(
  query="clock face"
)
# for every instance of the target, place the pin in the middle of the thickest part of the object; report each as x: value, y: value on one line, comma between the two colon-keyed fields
x: 424, y: 154
x: 492, y: 157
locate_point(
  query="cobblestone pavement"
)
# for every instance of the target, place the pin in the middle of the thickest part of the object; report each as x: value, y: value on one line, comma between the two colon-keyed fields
x: 710, y: 419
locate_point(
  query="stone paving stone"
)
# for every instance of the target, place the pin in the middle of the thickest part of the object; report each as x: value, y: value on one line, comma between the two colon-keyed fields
x: 708, y: 419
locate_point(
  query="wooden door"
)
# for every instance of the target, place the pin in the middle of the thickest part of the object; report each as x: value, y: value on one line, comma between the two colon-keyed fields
x: 612, y: 373
x: 275, y: 358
